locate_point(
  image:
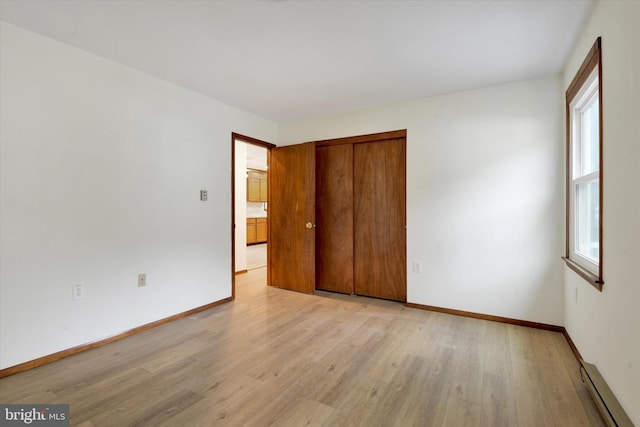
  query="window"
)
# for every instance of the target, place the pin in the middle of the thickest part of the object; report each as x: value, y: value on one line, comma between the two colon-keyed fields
x: 583, y: 252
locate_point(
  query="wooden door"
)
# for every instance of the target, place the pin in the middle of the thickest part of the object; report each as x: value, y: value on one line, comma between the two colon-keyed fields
x: 334, y: 215
x: 380, y: 218
x: 292, y: 217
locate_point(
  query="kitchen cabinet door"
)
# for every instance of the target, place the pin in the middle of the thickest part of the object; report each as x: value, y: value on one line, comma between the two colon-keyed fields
x: 251, y: 231
x: 253, y: 189
x: 261, y: 230
x: 256, y: 186
x: 263, y: 188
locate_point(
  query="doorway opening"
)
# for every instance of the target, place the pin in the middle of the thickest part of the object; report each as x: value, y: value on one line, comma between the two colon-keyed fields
x: 249, y: 205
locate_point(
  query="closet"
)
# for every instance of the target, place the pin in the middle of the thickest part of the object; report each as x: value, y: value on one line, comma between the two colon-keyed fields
x: 344, y: 222
x: 360, y: 217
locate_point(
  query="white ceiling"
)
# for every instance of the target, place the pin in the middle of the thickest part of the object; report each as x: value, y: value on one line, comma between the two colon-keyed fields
x: 294, y: 59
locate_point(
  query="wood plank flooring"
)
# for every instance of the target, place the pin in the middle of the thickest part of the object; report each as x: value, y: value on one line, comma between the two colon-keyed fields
x: 256, y: 256
x: 281, y: 358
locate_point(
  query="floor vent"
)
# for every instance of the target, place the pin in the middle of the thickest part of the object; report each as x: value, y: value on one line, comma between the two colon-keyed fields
x: 607, y: 403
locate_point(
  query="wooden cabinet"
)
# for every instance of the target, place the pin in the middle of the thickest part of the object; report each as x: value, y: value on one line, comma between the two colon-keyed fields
x: 251, y: 231
x: 261, y: 230
x: 263, y: 188
x: 256, y: 230
x: 256, y: 186
x: 253, y: 189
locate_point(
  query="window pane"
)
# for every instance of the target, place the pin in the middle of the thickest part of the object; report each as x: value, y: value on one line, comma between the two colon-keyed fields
x: 587, y: 219
x: 589, y: 149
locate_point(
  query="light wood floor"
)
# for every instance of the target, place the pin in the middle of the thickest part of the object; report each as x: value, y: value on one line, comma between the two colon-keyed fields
x: 256, y: 256
x: 280, y: 358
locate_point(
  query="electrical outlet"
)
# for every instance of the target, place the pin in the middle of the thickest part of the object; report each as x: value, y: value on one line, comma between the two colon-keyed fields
x: 142, y: 279
x: 77, y: 292
x: 203, y: 195
x: 417, y: 267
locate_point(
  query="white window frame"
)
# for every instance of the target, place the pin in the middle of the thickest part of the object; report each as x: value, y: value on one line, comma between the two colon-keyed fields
x: 585, y: 88
x: 585, y: 97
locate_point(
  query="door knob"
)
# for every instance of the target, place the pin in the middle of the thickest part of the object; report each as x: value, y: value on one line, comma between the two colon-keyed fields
x: 310, y: 225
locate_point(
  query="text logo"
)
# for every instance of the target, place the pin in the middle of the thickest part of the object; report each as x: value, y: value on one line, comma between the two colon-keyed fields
x: 34, y: 415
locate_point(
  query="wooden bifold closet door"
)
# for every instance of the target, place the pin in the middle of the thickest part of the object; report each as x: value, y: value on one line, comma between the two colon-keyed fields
x: 361, y: 216
x: 334, y: 216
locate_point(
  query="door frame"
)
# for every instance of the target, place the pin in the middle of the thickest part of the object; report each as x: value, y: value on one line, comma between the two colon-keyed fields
x: 248, y: 140
x: 371, y: 137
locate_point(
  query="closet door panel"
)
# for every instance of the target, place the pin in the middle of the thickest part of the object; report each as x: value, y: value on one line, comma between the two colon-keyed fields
x: 334, y: 218
x: 379, y: 183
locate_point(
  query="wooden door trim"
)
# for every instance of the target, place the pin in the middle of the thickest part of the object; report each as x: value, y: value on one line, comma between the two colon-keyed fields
x: 249, y: 140
x: 238, y: 136
x: 372, y: 137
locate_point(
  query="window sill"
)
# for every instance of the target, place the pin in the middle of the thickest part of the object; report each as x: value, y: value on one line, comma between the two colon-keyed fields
x: 593, y: 279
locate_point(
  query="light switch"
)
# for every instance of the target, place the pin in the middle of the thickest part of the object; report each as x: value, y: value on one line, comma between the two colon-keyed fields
x: 203, y: 195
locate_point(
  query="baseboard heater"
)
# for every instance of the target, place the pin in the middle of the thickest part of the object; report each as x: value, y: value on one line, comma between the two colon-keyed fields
x: 612, y: 412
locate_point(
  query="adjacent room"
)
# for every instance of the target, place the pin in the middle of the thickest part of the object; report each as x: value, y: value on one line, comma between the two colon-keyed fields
x: 327, y: 213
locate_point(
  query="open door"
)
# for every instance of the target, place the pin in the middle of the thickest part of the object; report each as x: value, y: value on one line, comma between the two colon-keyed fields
x: 292, y: 217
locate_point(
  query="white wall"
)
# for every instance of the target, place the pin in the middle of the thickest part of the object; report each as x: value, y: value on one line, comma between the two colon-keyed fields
x: 605, y: 326
x: 101, y: 168
x: 484, y: 195
x: 256, y: 210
